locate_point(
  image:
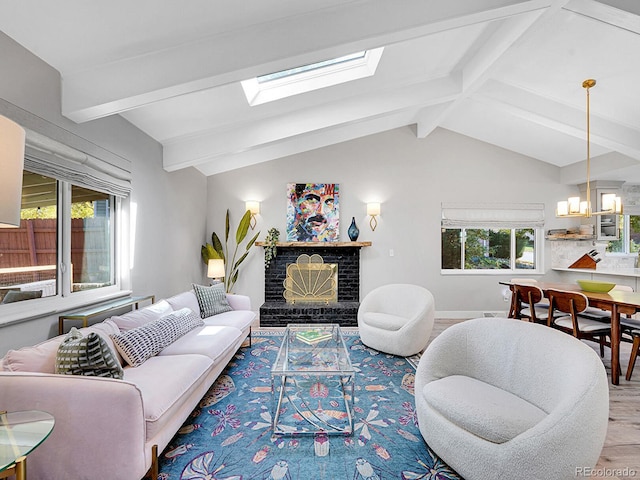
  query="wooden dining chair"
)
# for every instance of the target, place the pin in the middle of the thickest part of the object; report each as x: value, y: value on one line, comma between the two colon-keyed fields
x: 627, y: 324
x: 582, y: 328
x: 635, y: 351
x: 527, y: 303
x: 516, y: 304
x: 595, y: 313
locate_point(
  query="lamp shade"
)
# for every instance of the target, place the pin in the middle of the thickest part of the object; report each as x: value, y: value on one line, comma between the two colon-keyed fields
x: 373, y: 208
x: 215, y: 268
x: 253, y: 206
x: 12, y: 138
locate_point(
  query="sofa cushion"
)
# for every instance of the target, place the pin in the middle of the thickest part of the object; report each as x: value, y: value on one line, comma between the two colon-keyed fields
x: 89, y: 356
x: 141, y: 343
x: 384, y: 321
x: 37, y: 358
x: 482, y: 409
x: 161, y: 400
x: 212, y: 341
x: 42, y: 357
x: 184, y: 299
x: 241, y: 319
x: 137, y: 318
x: 212, y: 300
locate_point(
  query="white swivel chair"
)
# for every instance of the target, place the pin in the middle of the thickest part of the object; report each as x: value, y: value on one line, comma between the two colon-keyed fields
x: 504, y: 400
x: 397, y: 319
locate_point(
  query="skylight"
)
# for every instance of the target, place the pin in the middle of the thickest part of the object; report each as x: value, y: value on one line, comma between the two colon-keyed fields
x: 305, y: 78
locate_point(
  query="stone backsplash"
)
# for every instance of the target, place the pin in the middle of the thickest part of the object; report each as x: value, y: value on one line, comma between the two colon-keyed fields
x: 565, y: 252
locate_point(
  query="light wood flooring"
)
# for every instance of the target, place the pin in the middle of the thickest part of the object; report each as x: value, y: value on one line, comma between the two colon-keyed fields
x: 620, y: 459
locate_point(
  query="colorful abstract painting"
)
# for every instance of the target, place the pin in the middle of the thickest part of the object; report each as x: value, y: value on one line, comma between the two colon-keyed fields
x: 313, y: 212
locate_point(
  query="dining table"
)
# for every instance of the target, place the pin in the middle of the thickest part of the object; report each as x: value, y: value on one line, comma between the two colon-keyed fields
x: 618, y: 302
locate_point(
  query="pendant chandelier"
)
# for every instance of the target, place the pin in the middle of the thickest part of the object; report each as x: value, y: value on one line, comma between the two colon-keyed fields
x: 574, y: 206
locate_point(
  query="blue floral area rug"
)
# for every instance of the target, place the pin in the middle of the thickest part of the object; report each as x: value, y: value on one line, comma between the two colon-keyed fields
x: 230, y: 435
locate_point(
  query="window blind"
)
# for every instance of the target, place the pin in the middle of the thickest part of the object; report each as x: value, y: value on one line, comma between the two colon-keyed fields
x: 493, y: 215
x: 60, y: 154
x: 48, y: 157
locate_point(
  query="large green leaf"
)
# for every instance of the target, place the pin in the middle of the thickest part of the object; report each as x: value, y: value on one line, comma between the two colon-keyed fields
x: 208, y: 252
x: 237, y: 264
x: 226, y: 227
x: 243, y: 227
x: 217, y: 246
x: 252, y: 241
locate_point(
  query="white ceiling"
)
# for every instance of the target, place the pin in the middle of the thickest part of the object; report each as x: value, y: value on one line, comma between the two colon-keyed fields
x: 507, y: 72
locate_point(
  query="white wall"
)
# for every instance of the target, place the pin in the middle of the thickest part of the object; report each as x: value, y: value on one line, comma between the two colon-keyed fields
x: 410, y: 177
x: 170, y: 206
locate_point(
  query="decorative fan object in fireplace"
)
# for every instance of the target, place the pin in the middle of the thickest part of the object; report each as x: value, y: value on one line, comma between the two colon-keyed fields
x: 311, y: 280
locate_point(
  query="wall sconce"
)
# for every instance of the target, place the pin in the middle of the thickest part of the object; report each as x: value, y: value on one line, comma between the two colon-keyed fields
x: 215, y: 270
x: 373, y: 210
x: 254, y: 207
x: 12, y: 137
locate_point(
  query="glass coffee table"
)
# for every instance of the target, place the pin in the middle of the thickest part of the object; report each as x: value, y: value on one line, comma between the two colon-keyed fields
x: 20, y: 434
x: 312, y: 382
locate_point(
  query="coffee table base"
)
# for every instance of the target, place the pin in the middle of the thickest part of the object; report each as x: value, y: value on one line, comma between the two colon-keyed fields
x: 312, y: 404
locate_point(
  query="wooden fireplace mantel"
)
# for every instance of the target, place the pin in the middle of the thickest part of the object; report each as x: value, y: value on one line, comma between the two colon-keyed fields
x: 317, y: 244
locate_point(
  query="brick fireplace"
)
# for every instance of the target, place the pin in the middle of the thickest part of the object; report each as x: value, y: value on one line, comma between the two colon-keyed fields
x: 276, y: 311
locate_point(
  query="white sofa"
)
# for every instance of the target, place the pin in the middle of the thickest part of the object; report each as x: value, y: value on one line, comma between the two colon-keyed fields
x: 511, y: 400
x: 110, y: 428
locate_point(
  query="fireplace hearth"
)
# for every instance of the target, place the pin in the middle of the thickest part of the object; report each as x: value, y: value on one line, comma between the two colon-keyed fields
x: 344, y: 256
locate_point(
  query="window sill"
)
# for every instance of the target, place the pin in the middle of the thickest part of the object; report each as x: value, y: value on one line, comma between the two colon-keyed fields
x: 19, y: 312
x: 492, y: 272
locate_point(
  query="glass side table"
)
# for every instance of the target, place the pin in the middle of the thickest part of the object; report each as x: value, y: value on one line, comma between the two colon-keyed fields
x: 20, y: 434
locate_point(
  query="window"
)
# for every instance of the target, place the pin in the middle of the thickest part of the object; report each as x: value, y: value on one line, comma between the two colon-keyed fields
x: 91, y: 239
x: 306, y: 78
x: 71, y: 247
x: 30, y: 254
x: 489, y: 249
x: 484, y: 238
x: 629, y: 241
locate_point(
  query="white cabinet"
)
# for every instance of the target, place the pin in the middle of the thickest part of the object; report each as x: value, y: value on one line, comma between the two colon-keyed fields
x: 607, y: 226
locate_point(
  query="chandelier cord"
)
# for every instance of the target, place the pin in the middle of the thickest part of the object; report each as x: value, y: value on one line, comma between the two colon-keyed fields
x: 588, y: 86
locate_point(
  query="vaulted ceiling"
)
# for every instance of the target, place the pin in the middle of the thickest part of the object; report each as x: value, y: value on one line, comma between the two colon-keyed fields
x: 507, y: 72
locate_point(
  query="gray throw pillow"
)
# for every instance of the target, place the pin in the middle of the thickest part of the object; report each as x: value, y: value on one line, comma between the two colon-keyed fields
x: 89, y: 356
x: 211, y: 300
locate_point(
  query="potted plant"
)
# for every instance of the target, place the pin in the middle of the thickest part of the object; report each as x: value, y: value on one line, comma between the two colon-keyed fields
x: 215, y: 249
x: 270, y: 246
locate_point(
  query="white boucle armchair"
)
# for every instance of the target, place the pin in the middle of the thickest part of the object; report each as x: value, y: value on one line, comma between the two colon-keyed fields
x: 505, y: 399
x: 397, y: 319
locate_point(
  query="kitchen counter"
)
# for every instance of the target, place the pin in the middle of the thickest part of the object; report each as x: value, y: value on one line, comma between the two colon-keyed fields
x: 618, y: 272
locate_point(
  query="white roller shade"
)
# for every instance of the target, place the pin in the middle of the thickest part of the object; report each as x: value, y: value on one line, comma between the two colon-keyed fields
x: 58, y: 153
x: 54, y: 159
x: 493, y: 215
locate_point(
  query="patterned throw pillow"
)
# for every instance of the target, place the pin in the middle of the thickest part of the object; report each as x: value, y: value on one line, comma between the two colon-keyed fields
x: 212, y: 300
x: 139, y: 344
x: 90, y: 356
